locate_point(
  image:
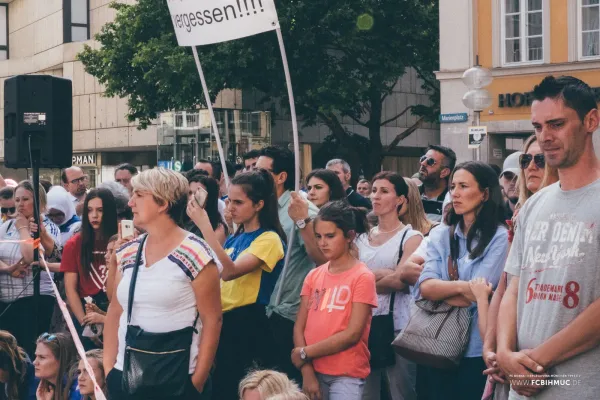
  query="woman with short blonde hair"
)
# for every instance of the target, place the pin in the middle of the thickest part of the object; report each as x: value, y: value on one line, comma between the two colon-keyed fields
x: 267, y: 383
x: 174, y: 280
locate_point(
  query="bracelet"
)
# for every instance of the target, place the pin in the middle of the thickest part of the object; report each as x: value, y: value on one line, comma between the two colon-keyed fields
x: 23, y: 227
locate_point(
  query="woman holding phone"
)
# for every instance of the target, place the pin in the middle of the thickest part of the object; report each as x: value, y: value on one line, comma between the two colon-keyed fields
x: 205, y: 191
x: 252, y: 261
x: 83, y: 260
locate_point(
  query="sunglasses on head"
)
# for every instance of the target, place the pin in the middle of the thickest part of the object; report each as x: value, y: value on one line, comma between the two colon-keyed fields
x: 538, y: 159
x: 47, y: 337
x: 428, y: 160
x: 10, y: 210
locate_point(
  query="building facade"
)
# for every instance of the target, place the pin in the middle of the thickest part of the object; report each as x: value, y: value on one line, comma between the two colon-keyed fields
x: 521, y: 42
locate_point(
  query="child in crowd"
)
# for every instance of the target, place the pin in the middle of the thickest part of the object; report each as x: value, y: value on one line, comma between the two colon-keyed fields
x: 17, y: 379
x: 54, y: 357
x: 86, y: 386
x: 332, y: 328
x: 263, y: 384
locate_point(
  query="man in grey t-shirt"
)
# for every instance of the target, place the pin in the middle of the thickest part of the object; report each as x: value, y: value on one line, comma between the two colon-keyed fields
x: 551, y: 304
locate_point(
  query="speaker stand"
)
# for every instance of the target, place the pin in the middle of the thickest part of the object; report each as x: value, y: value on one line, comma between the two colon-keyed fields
x: 35, y: 156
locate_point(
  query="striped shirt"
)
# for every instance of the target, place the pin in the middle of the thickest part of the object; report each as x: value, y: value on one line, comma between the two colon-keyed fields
x: 12, y: 288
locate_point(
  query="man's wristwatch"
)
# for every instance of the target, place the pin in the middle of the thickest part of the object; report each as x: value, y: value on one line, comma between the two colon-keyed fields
x: 301, y: 224
x: 303, y: 355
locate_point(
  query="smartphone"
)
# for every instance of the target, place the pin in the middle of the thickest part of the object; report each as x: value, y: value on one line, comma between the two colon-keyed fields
x: 127, y: 228
x: 200, y: 196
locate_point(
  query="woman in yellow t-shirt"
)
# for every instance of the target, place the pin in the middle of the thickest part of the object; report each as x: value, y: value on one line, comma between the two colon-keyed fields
x: 252, y: 259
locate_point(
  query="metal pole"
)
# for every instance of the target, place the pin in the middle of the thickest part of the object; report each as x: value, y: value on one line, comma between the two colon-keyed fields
x: 36, y: 270
x: 476, y: 122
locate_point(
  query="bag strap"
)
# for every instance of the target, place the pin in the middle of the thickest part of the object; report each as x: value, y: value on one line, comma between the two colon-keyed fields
x: 400, y: 254
x: 134, y: 275
x: 452, y: 264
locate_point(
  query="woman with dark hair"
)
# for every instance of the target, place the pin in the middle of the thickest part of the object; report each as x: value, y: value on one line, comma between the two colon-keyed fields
x: 16, y: 273
x: 17, y: 377
x: 54, y: 358
x: 337, y: 299
x: 198, y: 181
x: 83, y: 257
x: 252, y: 260
x: 323, y: 186
x: 475, y: 239
x: 164, y: 319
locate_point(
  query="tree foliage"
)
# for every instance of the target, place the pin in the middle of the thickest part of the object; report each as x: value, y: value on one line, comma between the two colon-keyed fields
x: 345, y: 58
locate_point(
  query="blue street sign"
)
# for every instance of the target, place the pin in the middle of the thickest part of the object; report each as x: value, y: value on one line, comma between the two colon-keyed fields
x: 165, y: 164
x: 453, y: 118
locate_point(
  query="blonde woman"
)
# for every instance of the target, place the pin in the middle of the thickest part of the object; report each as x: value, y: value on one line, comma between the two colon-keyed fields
x: 176, y: 296
x: 86, y: 386
x: 535, y: 174
x: 263, y: 384
x: 289, y: 395
x: 412, y: 212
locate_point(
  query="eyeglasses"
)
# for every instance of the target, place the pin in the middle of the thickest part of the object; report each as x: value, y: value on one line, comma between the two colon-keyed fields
x: 538, y: 159
x: 80, y: 180
x: 428, y: 160
x: 47, y: 337
x: 10, y: 210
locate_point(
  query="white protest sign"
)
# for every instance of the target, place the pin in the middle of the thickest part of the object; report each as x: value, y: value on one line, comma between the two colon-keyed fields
x: 200, y: 22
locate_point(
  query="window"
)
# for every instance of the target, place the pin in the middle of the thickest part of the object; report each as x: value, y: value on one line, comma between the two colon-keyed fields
x: 522, y: 31
x: 589, y: 28
x: 3, y: 32
x: 76, y: 20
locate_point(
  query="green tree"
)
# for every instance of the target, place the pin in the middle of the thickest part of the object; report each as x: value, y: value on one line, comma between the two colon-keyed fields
x: 345, y: 57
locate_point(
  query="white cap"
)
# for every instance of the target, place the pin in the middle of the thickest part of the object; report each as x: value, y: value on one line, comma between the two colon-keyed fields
x: 511, y: 164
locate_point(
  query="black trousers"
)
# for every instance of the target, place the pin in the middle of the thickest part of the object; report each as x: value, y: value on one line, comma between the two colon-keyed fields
x: 115, y: 391
x: 246, y: 343
x: 282, y: 330
x: 20, y: 320
x: 463, y: 383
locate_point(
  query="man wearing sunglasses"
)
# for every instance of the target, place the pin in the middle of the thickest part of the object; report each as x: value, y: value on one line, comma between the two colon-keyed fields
x: 75, y: 181
x: 7, y: 203
x: 434, y: 171
x: 508, y: 183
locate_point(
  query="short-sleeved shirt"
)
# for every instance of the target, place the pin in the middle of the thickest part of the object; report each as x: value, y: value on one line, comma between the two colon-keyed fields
x: 330, y: 299
x: 434, y: 208
x: 387, y: 256
x: 299, y: 266
x: 89, y: 283
x: 164, y: 298
x: 488, y: 265
x: 555, y: 255
x: 10, y: 253
x: 257, y: 286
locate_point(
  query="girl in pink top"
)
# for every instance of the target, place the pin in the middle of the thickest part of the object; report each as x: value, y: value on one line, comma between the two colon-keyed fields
x: 332, y: 326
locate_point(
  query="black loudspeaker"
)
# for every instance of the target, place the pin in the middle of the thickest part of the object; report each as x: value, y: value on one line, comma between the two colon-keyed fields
x: 38, y: 110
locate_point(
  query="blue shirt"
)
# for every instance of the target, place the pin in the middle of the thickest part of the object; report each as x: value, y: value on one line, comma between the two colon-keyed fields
x: 489, y: 266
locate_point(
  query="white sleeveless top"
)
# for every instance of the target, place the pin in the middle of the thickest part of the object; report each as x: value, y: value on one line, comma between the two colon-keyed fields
x: 386, y: 256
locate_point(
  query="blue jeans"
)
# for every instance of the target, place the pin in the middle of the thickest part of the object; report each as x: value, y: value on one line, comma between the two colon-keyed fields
x: 340, y: 387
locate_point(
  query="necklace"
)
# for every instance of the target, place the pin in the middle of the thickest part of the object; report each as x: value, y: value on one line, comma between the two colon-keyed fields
x: 393, y: 230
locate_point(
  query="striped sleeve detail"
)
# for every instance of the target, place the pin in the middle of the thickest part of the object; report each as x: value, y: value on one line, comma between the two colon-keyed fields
x: 126, y: 254
x: 192, y: 256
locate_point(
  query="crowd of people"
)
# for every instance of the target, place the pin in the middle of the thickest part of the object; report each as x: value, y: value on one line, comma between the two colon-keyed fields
x: 205, y: 297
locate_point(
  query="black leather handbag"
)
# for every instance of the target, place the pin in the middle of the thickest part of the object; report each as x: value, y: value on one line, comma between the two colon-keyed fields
x: 382, y: 335
x: 156, y: 365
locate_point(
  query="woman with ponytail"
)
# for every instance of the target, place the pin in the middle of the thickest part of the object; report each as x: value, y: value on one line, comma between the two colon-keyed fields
x: 17, y: 377
x: 332, y: 328
x: 251, y: 260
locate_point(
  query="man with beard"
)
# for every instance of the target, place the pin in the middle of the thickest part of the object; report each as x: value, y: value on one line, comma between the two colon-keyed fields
x: 436, y: 166
x: 75, y: 182
x: 508, y: 182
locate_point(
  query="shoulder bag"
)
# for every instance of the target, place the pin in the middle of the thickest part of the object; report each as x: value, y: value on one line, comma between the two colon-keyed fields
x: 381, y: 334
x: 437, y: 333
x: 156, y: 365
